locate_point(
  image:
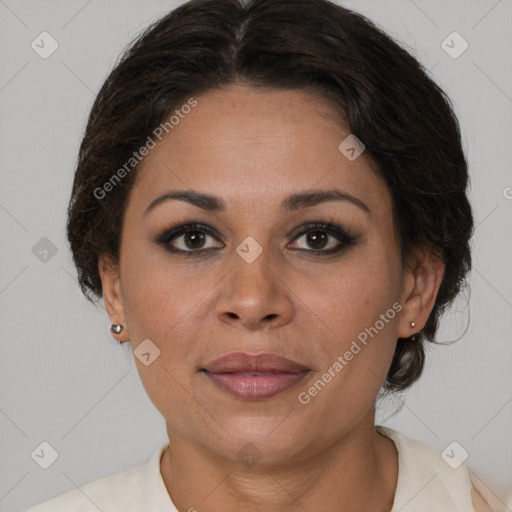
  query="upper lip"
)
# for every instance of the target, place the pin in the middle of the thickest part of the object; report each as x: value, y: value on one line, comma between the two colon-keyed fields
x: 234, y: 362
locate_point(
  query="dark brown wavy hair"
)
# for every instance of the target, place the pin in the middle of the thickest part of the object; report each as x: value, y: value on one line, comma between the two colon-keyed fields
x: 379, y: 90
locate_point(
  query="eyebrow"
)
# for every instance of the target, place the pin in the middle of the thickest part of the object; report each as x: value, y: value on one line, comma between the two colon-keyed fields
x: 292, y: 203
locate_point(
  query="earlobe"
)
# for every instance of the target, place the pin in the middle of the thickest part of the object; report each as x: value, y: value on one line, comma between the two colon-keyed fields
x: 112, y: 295
x: 423, y: 278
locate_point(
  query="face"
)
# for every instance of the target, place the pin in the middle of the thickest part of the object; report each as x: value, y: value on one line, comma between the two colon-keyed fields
x: 260, y: 269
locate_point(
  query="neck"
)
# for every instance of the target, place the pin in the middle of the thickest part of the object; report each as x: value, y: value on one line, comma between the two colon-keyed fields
x: 357, y: 472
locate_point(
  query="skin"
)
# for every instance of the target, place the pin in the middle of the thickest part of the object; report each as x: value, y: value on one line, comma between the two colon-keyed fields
x: 253, y: 148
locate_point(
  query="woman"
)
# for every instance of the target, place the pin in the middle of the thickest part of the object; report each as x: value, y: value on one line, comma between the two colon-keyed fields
x: 271, y: 199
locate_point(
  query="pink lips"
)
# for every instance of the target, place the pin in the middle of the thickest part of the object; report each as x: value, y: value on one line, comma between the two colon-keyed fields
x: 254, y: 377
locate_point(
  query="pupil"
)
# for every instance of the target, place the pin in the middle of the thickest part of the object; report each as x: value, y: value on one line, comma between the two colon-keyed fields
x: 194, y: 240
x: 314, y: 237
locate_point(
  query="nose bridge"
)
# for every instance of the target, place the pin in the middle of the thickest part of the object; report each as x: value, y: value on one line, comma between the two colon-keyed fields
x: 252, y: 267
x: 254, y: 292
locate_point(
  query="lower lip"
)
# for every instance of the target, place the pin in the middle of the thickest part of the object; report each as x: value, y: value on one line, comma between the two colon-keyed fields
x: 254, y: 385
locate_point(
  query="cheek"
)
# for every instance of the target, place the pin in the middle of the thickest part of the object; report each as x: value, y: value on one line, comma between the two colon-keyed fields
x: 148, y: 301
x: 156, y: 292
x: 357, y: 310
x: 354, y: 296
x: 161, y: 305
x: 168, y: 304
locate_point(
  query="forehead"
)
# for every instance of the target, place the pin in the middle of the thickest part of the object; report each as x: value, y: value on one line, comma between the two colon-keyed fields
x: 245, y: 143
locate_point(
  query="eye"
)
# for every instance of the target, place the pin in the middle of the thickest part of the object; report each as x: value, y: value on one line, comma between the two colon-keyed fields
x: 325, y: 238
x: 192, y: 239
x: 189, y: 238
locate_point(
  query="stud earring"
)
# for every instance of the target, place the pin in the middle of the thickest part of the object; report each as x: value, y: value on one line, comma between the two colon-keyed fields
x: 116, y: 328
x: 413, y: 325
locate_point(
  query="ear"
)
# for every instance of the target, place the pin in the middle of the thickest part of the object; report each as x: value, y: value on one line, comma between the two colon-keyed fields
x: 423, y: 276
x: 114, y: 303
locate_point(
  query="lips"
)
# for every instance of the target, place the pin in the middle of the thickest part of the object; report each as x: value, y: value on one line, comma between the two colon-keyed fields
x: 254, y: 377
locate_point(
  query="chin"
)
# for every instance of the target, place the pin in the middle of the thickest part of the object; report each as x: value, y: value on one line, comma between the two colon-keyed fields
x: 268, y: 440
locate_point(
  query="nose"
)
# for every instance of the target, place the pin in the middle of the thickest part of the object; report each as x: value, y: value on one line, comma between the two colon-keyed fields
x: 255, y: 295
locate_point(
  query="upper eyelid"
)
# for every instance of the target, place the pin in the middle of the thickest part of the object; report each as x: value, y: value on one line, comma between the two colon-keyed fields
x: 298, y: 230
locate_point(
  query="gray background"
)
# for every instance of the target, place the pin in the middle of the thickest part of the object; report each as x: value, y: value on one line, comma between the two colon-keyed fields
x: 65, y: 381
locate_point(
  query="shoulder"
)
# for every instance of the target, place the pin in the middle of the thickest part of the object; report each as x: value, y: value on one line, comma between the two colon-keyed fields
x: 97, y: 495
x: 426, y: 479
x: 128, y: 491
x: 479, y: 502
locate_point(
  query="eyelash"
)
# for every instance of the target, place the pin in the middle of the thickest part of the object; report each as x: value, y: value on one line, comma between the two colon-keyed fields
x: 345, y: 238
